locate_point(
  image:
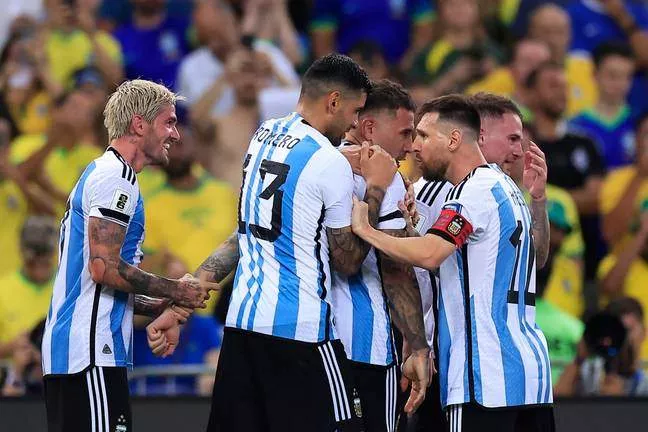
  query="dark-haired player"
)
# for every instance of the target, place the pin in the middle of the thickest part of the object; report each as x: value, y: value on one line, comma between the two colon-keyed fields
x: 491, y: 353
x: 282, y: 366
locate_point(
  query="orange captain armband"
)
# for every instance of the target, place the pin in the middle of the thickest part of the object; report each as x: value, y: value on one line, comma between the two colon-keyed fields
x: 452, y: 226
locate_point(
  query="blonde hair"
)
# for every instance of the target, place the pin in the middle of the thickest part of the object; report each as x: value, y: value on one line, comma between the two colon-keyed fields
x: 136, y: 97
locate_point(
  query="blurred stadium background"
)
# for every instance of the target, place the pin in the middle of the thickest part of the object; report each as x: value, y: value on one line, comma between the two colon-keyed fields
x: 577, y: 69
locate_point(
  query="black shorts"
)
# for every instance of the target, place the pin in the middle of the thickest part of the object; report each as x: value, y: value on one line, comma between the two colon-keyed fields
x: 379, y: 394
x: 430, y: 415
x: 471, y: 417
x: 94, y: 400
x: 264, y: 383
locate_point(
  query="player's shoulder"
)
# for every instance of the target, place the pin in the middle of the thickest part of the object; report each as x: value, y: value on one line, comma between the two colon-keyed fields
x: 111, y: 167
x: 478, y: 184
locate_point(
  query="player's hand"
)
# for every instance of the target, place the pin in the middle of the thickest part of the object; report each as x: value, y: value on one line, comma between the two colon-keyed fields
x: 163, y: 333
x: 193, y: 293
x: 534, y: 177
x: 417, y: 370
x: 377, y: 166
x: 360, y: 217
x: 410, y: 201
x: 352, y: 155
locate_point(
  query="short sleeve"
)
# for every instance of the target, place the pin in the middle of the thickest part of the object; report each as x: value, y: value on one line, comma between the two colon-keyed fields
x: 112, y: 197
x: 465, y: 217
x: 390, y: 216
x: 336, y: 186
x: 325, y: 15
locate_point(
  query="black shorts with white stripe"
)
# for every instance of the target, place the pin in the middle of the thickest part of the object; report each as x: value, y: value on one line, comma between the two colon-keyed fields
x: 379, y: 395
x: 265, y: 384
x: 95, y: 400
x: 471, y: 417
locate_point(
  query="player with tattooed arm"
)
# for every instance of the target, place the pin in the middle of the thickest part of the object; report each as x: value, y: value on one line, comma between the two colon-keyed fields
x: 491, y: 352
x: 87, y: 344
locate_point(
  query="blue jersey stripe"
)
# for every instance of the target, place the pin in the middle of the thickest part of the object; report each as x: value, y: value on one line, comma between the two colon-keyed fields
x: 285, y: 318
x: 363, y: 319
x: 514, y: 377
x: 444, y: 349
x: 259, y: 280
x: 73, y: 270
x: 250, y: 178
x: 467, y: 360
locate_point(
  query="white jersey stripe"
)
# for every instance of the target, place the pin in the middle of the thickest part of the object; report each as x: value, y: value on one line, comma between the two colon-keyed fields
x: 334, y: 393
x: 104, y: 398
x: 91, y: 401
x: 345, y: 405
x: 97, y: 398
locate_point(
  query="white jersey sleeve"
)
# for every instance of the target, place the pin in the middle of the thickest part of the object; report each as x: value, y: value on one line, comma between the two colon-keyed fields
x: 112, y: 197
x: 337, y: 193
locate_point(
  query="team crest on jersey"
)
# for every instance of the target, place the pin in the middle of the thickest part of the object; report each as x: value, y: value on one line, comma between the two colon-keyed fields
x: 120, y: 200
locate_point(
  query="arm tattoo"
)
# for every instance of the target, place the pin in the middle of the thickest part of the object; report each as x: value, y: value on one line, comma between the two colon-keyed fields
x: 348, y: 251
x: 150, y: 306
x: 403, y: 296
x: 540, y: 226
x: 221, y: 262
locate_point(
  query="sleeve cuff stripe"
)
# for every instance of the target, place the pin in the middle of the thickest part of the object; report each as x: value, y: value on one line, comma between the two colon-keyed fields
x: 393, y: 215
x: 114, y: 215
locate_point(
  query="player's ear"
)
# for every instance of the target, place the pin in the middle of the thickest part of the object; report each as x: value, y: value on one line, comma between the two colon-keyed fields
x: 333, y: 102
x: 454, y: 140
x: 367, y: 126
x: 480, y: 141
x: 138, y: 125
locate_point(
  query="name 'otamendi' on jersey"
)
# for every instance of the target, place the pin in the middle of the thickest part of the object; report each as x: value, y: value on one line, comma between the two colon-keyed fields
x: 295, y: 184
x: 490, y: 349
x: 89, y: 324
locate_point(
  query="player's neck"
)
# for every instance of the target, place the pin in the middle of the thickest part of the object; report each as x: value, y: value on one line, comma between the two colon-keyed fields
x: 354, y: 137
x: 312, y: 117
x: 126, y: 149
x: 464, y: 164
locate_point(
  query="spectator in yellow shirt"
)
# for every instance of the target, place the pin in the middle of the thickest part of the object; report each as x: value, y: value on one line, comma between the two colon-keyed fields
x: 625, y: 272
x: 549, y: 24
x: 624, y: 190
x: 26, y: 292
x: 188, y: 215
x: 75, y: 42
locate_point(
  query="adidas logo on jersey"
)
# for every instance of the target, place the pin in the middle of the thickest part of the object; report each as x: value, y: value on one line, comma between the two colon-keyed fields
x: 106, y: 349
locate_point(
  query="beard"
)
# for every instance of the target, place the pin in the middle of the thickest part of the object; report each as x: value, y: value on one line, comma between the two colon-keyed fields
x: 434, y: 173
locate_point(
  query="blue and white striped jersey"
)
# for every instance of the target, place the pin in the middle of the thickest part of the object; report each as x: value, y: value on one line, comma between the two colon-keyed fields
x: 89, y: 324
x: 361, y: 313
x: 295, y: 184
x: 490, y: 349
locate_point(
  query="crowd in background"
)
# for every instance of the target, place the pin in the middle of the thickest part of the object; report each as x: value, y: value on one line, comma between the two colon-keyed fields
x: 576, y: 68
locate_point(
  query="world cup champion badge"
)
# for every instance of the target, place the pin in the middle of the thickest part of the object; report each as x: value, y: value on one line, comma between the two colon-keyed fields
x: 357, y: 407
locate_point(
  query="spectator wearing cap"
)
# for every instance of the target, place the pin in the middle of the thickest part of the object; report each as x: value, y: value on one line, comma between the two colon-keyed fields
x: 74, y: 41
x: 154, y: 42
x: 203, y: 76
x: 188, y: 214
x: 401, y: 28
x: 625, y: 272
x: 624, y: 191
x: 610, y: 122
x: 25, y: 293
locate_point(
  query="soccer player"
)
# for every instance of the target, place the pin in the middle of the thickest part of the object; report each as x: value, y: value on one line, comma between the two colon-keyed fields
x: 500, y: 142
x: 491, y: 353
x: 365, y: 303
x: 88, y: 336
x: 282, y: 365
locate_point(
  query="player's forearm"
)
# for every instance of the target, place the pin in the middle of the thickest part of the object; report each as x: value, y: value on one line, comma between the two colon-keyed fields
x: 404, y: 297
x: 347, y: 250
x: 417, y: 251
x: 150, y: 306
x: 221, y: 262
x: 540, y: 225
